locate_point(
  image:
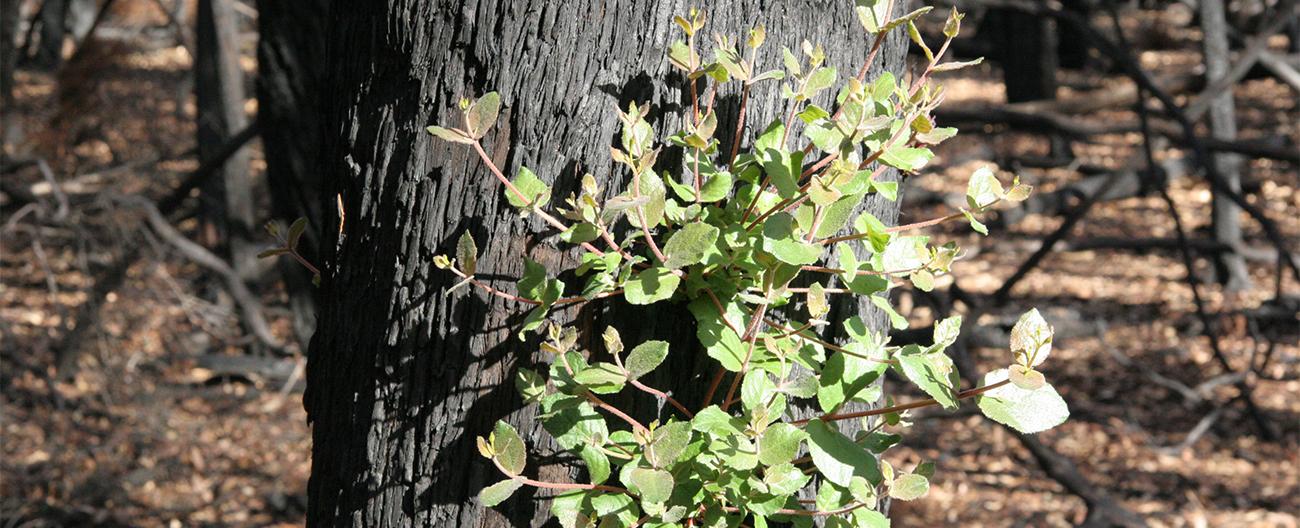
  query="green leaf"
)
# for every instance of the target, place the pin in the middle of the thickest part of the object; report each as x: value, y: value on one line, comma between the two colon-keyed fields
x: 975, y: 224
x: 715, y: 421
x: 645, y: 357
x: 483, y: 114
x: 784, y: 168
x: 907, y: 159
x: 784, y: 479
x: 983, y: 189
x: 650, y: 286
x: 602, y: 378
x: 909, y: 487
x: 496, y: 493
x: 448, y: 134
x: 689, y: 245
x: 838, y: 457
x: 844, y: 376
x: 1031, y: 339
x: 780, y: 443
x: 537, y: 192
x: 817, y: 304
x: 719, y: 340
x: 531, y: 385
x: 654, y: 485
x: 956, y: 65
x: 905, y: 253
x: 770, y: 139
x: 933, y: 372
x: 467, y: 253
x: 573, y: 422
x: 947, y: 331
x: 579, y: 233
x: 509, y: 449
x: 782, y: 241
x: 597, y: 464
x: 820, y: 79
x: 895, y: 319
x: 668, y: 443
x: 1027, y: 411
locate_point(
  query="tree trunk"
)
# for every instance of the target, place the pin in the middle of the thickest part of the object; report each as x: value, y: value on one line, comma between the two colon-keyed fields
x: 219, y: 94
x: 49, y: 52
x: 401, y: 377
x: 291, y: 81
x: 9, y: 13
x: 1230, y: 266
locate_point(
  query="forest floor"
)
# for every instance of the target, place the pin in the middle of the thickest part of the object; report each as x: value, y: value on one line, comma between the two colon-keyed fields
x: 148, y: 433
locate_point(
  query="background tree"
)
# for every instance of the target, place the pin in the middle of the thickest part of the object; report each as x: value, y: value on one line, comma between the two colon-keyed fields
x: 291, y: 70
x: 401, y: 377
x: 219, y: 94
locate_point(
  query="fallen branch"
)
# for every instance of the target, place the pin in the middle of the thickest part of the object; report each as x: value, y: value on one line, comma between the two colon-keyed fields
x: 250, y: 308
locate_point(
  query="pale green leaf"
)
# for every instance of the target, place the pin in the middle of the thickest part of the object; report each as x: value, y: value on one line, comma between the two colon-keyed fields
x: 645, y: 357
x: 689, y: 245
x: 933, y: 372
x: 839, y: 458
x: 496, y: 493
x: 1027, y: 411
x: 651, y: 286
x: 509, y: 448
x: 909, y: 487
x: 534, y: 189
x: 779, y: 443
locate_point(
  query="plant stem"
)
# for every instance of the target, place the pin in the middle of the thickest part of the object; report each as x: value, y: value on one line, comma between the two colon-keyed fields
x: 968, y: 393
x: 478, y: 147
x: 570, y: 485
x: 595, y: 400
x: 661, y: 394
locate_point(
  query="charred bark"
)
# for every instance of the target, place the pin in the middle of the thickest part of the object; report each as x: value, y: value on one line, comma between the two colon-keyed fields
x: 401, y: 377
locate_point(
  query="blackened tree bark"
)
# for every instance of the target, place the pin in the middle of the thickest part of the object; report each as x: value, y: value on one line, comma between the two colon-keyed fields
x: 219, y: 95
x: 401, y: 377
x: 1230, y: 265
x: 291, y: 79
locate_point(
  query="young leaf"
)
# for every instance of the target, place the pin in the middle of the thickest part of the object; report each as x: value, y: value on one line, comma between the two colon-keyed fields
x: 645, y: 357
x: 975, y: 224
x: 499, y: 492
x: 509, y: 449
x: 983, y: 189
x: 653, y: 485
x: 1026, y: 378
x: 784, y: 479
x: 597, y: 464
x: 1027, y: 411
x: 781, y: 240
x: 779, y: 443
x: 839, y: 458
x: 933, y: 372
x: 651, y: 286
x: 817, y: 305
x: 537, y: 192
x: 483, y: 114
x: 467, y: 253
x: 689, y: 245
x: 450, y: 134
x: 909, y: 487
x: 602, y: 378
x: 1031, y: 339
x: 530, y: 385
x: 668, y: 443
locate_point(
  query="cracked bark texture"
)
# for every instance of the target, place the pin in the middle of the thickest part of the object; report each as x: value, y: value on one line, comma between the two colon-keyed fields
x: 402, y: 377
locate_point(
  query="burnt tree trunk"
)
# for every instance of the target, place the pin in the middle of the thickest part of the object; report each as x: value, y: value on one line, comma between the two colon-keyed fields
x: 401, y: 377
x: 1230, y: 266
x: 291, y: 80
x: 219, y: 96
